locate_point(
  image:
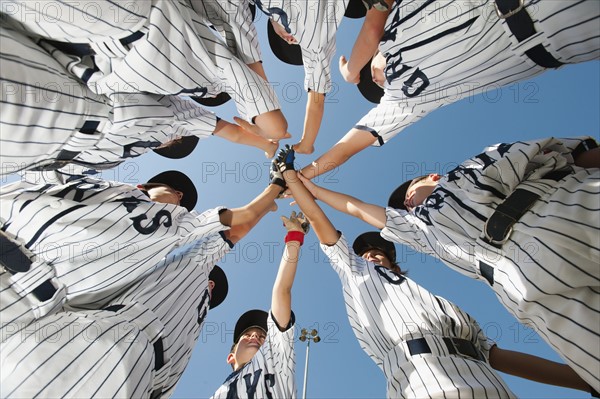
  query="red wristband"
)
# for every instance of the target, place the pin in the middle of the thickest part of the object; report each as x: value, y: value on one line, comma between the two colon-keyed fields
x: 295, y: 236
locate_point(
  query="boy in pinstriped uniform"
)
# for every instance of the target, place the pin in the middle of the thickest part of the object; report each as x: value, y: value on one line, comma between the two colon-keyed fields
x: 50, y: 119
x: 425, y: 345
x: 94, y: 300
x: 262, y: 357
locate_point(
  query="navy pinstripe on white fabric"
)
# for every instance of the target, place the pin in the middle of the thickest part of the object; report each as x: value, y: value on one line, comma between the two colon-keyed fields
x: 547, y: 274
x: 440, y: 52
x: 386, y: 310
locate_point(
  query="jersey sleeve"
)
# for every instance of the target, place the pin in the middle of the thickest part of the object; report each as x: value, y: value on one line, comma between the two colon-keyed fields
x: 317, y: 67
x: 343, y: 259
x: 78, y: 21
x: 193, y: 226
x: 388, y: 119
x: 281, y: 339
x: 403, y: 228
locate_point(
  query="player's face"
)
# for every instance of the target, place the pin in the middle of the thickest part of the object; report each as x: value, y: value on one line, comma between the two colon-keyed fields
x: 377, y: 69
x: 250, y: 342
x: 419, y: 191
x: 378, y: 257
x: 281, y: 32
x: 165, y: 195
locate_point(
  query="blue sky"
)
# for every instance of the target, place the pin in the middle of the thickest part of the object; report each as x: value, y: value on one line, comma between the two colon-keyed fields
x: 559, y: 103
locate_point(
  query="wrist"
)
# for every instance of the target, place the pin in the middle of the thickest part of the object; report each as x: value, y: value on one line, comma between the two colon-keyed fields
x: 294, y: 235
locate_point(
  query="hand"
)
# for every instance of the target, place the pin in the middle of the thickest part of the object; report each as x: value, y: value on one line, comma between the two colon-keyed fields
x: 296, y: 223
x: 276, y: 177
x: 348, y: 77
x: 310, y: 186
x: 379, y: 5
x: 285, y: 158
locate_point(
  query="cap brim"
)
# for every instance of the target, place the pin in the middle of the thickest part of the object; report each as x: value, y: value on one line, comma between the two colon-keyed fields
x: 373, y: 240
x: 252, y: 318
x: 355, y: 9
x: 179, y: 182
x: 219, y: 99
x: 398, y: 196
x: 219, y: 292
x: 179, y: 149
x: 367, y: 87
x: 288, y: 53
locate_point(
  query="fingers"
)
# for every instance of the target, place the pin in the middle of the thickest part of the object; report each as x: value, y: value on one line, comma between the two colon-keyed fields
x: 293, y: 215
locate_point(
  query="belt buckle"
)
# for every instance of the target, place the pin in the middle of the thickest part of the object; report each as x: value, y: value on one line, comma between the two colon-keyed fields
x: 491, y: 240
x: 511, y: 12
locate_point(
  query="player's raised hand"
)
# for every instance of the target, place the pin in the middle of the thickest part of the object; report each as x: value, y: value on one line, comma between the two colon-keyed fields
x: 379, y: 5
x: 276, y: 177
x: 310, y: 186
x: 296, y: 222
x: 285, y: 158
x: 348, y: 77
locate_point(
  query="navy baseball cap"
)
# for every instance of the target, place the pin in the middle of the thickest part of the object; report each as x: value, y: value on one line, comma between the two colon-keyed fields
x: 252, y: 318
x: 180, y: 148
x: 373, y: 240
x: 177, y: 181
x: 398, y: 196
x: 215, y: 101
x: 355, y: 9
x: 219, y: 292
x: 288, y: 53
x: 369, y: 89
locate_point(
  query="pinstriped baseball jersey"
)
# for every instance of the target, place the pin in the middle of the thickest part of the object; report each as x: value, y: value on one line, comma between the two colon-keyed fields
x: 45, y: 112
x: 233, y: 20
x: 174, y: 52
x: 272, y: 371
x: 547, y: 273
x: 440, y: 52
x: 93, y: 237
x: 314, y: 25
x: 386, y: 310
x: 102, y: 353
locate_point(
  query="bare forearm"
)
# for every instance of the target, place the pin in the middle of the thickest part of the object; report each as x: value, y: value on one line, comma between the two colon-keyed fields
x: 281, y: 300
x: 252, y: 212
x: 315, y: 107
x: 536, y: 369
x: 352, y: 143
x: 367, y: 40
x: 322, y: 226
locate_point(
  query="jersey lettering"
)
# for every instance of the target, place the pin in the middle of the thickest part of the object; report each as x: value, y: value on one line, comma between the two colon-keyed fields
x: 390, y: 276
x: 408, y: 85
x: 156, y: 222
x: 251, y: 385
x: 269, y: 383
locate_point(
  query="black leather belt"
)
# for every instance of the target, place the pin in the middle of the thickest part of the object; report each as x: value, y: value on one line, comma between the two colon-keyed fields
x: 16, y: 261
x: 498, y: 227
x: 159, y: 352
x: 521, y: 25
x: 83, y: 49
x: 456, y: 346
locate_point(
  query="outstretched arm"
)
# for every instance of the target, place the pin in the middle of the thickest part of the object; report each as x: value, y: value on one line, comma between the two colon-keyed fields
x: 315, y: 107
x: 352, y: 143
x: 368, y: 213
x: 536, y: 369
x: 324, y: 229
x: 246, y: 217
x: 281, y: 299
x: 365, y: 45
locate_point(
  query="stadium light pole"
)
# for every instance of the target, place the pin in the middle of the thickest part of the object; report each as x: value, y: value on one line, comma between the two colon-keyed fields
x: 307, y: 336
